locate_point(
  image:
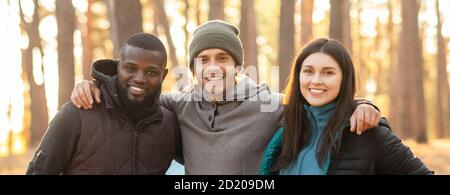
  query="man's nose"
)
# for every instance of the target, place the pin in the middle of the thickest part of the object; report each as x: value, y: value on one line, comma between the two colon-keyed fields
x: 213, y: 70
x: 139, y: 77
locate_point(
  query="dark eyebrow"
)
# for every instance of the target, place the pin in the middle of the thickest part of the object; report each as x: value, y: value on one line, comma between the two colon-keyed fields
x: 326, y: 68
x: 154, y: 67
x: 223, y: 54
x: 131, y: 63
x: 329, y: 68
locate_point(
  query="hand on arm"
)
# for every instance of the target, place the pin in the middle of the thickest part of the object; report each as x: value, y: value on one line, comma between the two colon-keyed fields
x: 366, y: 116
x: 84, y: 93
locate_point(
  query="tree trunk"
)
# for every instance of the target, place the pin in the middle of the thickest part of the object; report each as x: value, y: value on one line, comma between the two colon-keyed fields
x: 286, y: 37
x: 248, y: 35
x: 126, y: 19
x: 10, y: 131
x: 65, y: 18
x: 442, y: 89
x: 216, y: 10
x: 307, y: 9
x: 38, y: 102
x: 156, y: 20
x: 360, y: 55
x: 198, y: 12
x: 340, y: 22
x: 411, y: 63
x: 186, y: 32
x: 395, y: 103
x: 378, y: 60
x: 159, y: 10
x: 87, y: 42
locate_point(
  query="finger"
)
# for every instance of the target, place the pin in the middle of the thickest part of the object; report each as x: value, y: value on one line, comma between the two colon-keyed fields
x: 372, y: 122
x: 73, y: 99
x: 78, y: 100
x: 97, y: 95
x: 87, y: 92
x: 81, y: 95
x: 353, y: 123
x: 359, y: 122
x: 366, y: 124
x: 377, y: 118
x: 95, y: 91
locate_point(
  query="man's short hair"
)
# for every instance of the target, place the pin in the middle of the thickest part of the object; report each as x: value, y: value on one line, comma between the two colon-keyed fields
x: 145, y: 41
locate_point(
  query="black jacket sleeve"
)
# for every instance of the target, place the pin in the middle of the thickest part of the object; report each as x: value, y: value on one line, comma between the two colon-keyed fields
x: 394, y: 158
x: 58, y: 144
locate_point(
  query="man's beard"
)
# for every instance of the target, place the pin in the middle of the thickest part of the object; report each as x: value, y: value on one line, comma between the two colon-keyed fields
x: 138, y: 109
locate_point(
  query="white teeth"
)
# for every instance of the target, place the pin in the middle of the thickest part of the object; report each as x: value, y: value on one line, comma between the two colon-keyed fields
x: 137, y: 89
x: 317, y: 90
x: 214, y: 79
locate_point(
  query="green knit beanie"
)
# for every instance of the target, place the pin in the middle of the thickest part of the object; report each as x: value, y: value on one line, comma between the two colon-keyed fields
x: 216, y: 34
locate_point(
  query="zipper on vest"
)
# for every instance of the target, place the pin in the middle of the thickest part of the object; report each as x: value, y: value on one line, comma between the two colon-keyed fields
x: 135, y: 152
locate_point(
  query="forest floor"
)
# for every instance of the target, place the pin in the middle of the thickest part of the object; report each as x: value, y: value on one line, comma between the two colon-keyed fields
x: 436, y: 155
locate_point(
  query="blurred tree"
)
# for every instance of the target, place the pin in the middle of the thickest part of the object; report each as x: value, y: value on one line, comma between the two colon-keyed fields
x: 86, y: 37
x: 66, y: 22
x: 186, y: 32
x: 376, y: 51
x: 360, y: 56
x: 307, y: 9
x: 198, y: 12
x: 38, y: 102
x: 442, y: 87
x: 10, y: 131
x: 248, y: 34
x: 162, y: 18
x: 286, y: 38
x: 125, y: 19
x: 340, y: 22
x: 395, y: 103
x: 156, y: 22
x: 216, y: 10
x: 100, y: 31
x: 413, y: 118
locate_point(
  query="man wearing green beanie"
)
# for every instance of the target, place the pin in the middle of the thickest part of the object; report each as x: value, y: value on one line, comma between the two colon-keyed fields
x: 220, y: 35
x: 216, y: 56
x: 227, y: 120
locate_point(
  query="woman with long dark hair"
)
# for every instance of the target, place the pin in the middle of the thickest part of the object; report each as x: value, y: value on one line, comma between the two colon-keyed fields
x: 319, y: 100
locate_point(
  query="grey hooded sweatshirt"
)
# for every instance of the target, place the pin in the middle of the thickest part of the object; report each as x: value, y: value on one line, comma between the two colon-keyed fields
x: 226, y: 138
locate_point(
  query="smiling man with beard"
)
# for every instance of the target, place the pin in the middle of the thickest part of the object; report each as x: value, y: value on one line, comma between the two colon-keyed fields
x: 128, y: 132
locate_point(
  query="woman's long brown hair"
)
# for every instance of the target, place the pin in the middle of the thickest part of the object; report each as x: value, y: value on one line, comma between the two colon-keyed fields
x: 297, y: 133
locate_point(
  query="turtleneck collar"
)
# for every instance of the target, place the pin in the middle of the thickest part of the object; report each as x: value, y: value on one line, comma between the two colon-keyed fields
x: 321, y: 114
